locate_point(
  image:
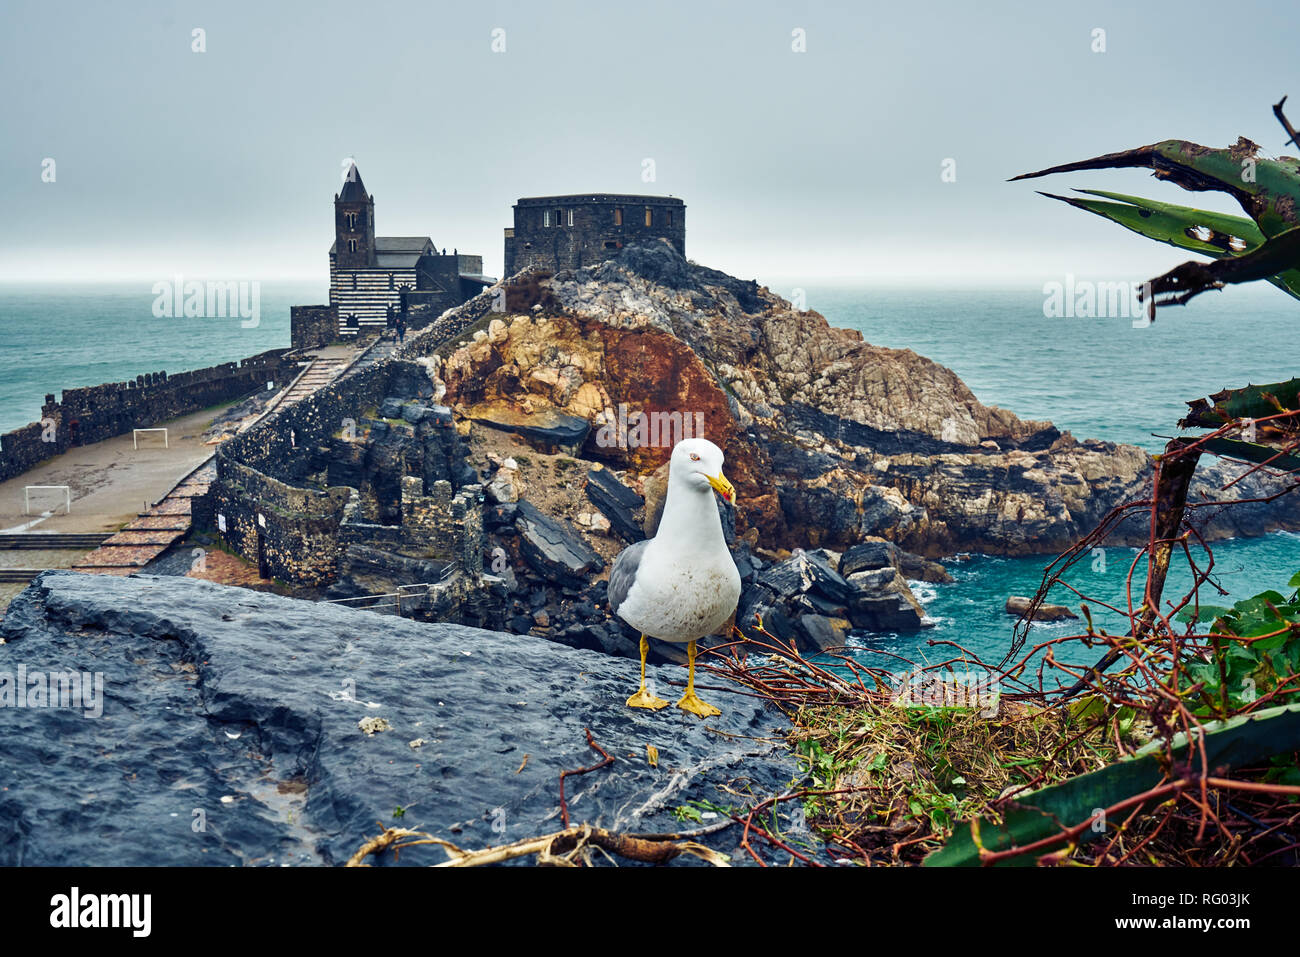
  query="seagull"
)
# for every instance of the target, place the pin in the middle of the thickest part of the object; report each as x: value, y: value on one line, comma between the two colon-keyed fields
x: 681, y: 585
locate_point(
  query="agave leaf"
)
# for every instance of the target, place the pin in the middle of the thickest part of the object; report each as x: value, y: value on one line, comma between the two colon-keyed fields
x: 1219, y: 235
x: 1253, y: 452
x: 1267, y: 189
x: 1171, y: 223
x: 1280, y: 254
x: 1237, y: 742
x: 1249, y: 402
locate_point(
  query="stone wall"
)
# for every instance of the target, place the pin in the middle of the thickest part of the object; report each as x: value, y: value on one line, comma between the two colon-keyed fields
x: 362, y: 465
x: 290, y: 533
x: 95, y: 413
x: 313, y: 327
x: 569, y: 232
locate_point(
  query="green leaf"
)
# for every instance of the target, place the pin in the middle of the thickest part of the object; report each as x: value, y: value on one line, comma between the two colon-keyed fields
x: 1238, y: 742
x: 1270, y: 251
x: 1253, y: 452
x: 1206, y: 613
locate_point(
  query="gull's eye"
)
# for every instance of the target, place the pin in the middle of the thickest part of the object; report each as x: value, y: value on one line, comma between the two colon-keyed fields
x: 694, y: 457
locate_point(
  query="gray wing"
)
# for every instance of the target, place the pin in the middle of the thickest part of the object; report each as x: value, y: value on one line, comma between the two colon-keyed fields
x: 623, y: 573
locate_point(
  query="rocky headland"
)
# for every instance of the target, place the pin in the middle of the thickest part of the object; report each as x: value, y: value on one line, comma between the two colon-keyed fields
x: 566, y: 386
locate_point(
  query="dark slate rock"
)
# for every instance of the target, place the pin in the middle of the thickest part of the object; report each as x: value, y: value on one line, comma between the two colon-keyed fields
x: 498, y: 516
x: 616, y: 502
x: 391, y: 407
x: 213, y: 692
x: 868, y: 556
x: 803, y: 572
x: 821, y: 633
x: 550, y: 432
x: 759, y: 601
x: 413, y: 412
x: 881, y: 601
x: 553, y: 548
x: 747, y: 563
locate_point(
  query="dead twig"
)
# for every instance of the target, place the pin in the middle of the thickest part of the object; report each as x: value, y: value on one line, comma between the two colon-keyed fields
x: 608, y: 760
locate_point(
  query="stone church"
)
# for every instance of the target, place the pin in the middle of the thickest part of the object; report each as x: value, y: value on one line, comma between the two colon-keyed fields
x: 370, y: 273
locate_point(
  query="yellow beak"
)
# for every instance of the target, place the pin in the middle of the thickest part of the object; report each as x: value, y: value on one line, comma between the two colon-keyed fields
x: 723, y: 488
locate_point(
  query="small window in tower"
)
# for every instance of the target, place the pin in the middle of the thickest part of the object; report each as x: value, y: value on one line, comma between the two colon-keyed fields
x: 559, y: 217
x: 352, y: 245
x: 618, y: 217
x: 670, y: 217
x: 546, y: 217
x: 352, y: 220
x: 570, y: 217
x: 647, y: 216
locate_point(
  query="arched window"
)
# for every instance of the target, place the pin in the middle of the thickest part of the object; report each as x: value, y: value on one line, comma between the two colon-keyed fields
x: 352, y: 245
x: 618, y: 217
x: 647, y: 216
x: 546, y: 217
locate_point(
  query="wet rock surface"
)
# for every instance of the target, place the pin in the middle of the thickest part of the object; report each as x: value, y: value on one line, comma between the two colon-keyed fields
x: 242, y: 728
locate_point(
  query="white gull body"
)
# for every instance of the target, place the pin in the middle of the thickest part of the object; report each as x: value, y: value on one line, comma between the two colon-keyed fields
x: 681, y: 585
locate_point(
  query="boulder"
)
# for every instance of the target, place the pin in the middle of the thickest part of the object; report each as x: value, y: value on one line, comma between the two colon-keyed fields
x: 820, y: 633
x: 1018, y: 604
x: 805, y: 572
x: 882, y: 601
x: 506, y: 486
x: 553, y: 547
x: 879, y: 553
x: 248, y: 712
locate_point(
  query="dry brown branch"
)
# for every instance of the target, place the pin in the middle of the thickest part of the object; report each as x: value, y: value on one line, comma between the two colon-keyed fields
x: 566, y: 848
x: 564, y: 806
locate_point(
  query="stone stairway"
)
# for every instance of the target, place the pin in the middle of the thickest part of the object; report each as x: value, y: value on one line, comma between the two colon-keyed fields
x: 377, y: 352
x: 153, y: 532
x: 321, y: 372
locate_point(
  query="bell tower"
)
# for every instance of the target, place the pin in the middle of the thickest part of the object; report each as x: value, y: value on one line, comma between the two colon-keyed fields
x: 354, y: 223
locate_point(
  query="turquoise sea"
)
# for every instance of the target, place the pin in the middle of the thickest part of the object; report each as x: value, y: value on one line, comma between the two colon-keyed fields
x: 1095, y: 377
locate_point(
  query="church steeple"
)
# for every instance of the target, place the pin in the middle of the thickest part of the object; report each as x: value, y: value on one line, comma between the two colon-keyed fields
x: 354, y: 222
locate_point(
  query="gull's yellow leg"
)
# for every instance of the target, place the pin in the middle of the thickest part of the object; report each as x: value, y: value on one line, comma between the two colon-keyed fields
x: 643, y: 698
x: 691, y: 701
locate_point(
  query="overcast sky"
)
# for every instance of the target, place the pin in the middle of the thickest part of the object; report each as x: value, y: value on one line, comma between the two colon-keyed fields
x: 813, y: 165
